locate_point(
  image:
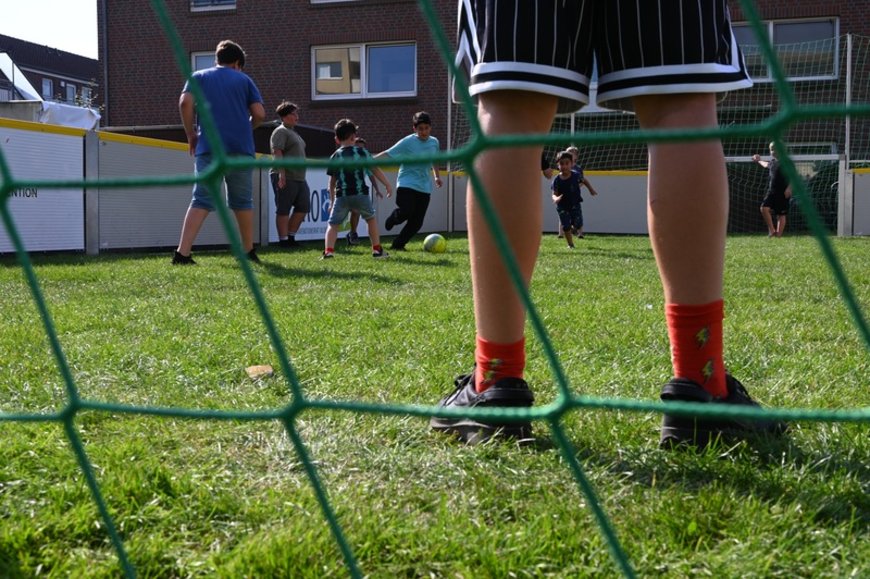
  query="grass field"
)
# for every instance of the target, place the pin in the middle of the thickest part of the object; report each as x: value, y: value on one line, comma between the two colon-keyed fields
x: 197, y: 498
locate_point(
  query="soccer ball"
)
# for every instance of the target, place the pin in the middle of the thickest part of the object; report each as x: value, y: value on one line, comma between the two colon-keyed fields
x: 435, y: 243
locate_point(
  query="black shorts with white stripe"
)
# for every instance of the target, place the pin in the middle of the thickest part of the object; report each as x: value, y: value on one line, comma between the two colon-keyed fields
x: 639, y: 47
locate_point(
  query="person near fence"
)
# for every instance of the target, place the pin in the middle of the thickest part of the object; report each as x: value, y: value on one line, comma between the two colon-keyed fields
x: 237, y: 109
x: 289, y: 185
x: 348, y: 190
x: 666, y: 63
x: 413, y: 184
x: 778, y: 194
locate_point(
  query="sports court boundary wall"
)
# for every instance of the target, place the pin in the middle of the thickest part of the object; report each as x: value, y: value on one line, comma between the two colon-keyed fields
x: 130, y: 217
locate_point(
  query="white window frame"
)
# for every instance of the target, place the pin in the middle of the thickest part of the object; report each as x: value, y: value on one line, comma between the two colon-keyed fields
x: 212, y: 5
x: 770, y: 26
x: 364, y: 93
x: 204, y: 53
x: 49, y: 84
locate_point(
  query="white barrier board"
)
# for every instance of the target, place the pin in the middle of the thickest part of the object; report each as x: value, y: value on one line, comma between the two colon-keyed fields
x: 46, y: 218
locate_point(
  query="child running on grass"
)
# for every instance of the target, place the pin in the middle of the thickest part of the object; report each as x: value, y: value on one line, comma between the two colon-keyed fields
x: 567, y: 197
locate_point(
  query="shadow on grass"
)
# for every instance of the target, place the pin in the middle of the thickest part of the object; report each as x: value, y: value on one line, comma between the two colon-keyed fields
x: 832, y: 482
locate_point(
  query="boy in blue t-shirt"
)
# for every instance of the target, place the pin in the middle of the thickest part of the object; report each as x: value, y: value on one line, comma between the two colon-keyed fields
x: 413, y: 185
x: 567, y: 197
x: 348, y: 190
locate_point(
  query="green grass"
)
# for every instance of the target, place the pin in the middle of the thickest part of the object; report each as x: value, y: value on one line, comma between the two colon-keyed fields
x: 206, y: 498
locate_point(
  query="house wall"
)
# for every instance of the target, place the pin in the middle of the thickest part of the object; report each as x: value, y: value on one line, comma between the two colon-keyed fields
x: 143, y: 80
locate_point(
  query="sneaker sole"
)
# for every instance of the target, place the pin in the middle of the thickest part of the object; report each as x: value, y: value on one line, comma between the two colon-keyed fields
x: 473, y: 432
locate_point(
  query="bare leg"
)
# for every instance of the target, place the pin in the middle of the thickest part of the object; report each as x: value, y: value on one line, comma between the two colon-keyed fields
x: 511, y: 176
x: 768, y: 220
x: 374, y: 234
x: 780, y: 225
x: 245, y: 219
x: 193, y: 220
x: 295, y: 222
x: 331, y: 235
x: 281, y: 222
x: 687, y: 207
x: 354, y: 221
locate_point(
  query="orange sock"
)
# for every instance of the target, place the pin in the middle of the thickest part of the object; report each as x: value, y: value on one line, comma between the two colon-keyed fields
x: 696, y: 344
x: 496, y: 361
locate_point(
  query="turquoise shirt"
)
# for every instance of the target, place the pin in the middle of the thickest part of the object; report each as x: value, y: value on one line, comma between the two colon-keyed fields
x: 417, y: 177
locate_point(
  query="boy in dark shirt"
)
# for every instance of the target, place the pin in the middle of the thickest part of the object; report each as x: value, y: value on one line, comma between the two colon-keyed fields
x: 566, y: 195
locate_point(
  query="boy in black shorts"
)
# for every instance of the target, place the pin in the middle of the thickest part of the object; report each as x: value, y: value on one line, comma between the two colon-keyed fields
x: 567, y: 197
x: 664, y: 61
x: 776, y: 200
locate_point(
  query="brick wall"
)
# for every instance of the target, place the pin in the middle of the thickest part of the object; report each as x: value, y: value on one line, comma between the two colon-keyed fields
x: 852, y: 13
x: 144, y: 82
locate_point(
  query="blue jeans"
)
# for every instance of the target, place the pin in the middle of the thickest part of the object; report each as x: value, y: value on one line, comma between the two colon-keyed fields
x: 240, y: 187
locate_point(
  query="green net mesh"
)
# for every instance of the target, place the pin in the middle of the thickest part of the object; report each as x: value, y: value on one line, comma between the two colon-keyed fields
x: 780, y: 112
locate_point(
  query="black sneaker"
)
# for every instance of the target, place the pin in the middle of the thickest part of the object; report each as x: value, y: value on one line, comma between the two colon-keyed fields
x: 506, y: 393
x: 352, y: 238
x: 178, y: 259
x: 698, y: 431
x: 327, y: 255
x: 289, y: 243
x: 395, y: 247
x: 252, y: 256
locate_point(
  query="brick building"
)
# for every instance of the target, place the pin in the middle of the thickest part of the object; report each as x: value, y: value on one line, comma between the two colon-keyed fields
x: 370, y: 60
x: 374, y: 61
x: 55, y: 74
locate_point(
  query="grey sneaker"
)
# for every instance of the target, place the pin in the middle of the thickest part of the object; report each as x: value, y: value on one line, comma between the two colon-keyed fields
x: 380, y: 254
x: 505, y: 393
x: 682, y: 430
x: 352, y: 238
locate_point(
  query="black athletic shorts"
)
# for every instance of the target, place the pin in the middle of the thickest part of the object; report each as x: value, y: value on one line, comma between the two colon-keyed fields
x: 639, y: 47
x: 777, y: 202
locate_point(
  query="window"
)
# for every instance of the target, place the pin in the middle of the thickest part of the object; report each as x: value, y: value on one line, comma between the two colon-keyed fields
x: 47, y: 89
x: 201, y: 60
x: 87, y: 96
x: 203, y: 5
x: 806, y: 49
x: 70, y: 93
x: 364, y: 71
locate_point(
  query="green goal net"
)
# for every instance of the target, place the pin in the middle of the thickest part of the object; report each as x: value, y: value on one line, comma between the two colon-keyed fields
x: 818, y: 130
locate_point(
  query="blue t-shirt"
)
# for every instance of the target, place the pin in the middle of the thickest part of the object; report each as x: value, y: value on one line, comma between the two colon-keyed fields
x: 229, y: 93
x: 350, y: 181
x: 569, y: 189
x: 417, y: 177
